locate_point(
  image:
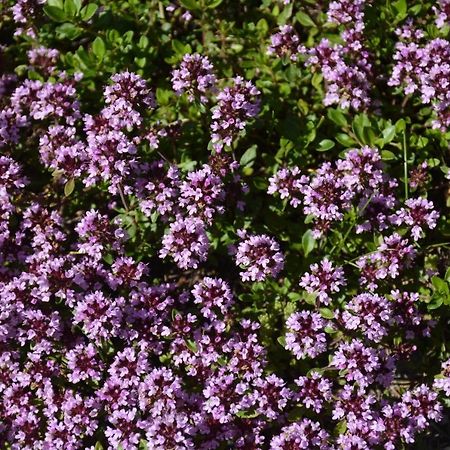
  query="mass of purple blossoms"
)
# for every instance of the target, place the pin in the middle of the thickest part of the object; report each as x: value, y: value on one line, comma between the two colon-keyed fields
x: 150, y: 299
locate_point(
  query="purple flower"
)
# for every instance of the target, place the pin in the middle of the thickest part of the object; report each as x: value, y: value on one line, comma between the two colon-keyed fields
x: 425, y: 69
x: 359, y: 362
x: 83, y: 364
x: 202, y: 194
x: 259, y: 256
x: 214, y: 297
x: 126, y: 98
x: 406, y: 314
x: 236, y: 104
x: 288, y: 183
x: 195, y: 77
x: 186, y: 242
x: 99, y: 316
x: 314, y: 390
x: 326, y: 197
x: 48, y: 100
x: 419, y: 213
x: 62, y: 152
x: 343, y: 12
x: 305, y: 434
x: 347, y: 72
x: 418, y: 176
x: 392, y: 256
x: 370, y: 314
x: 422, y: 406
x: 305, y: 336
x: 159, y: 190
x: 284, y: 43
x: 323, y: 279
x: 442, y: 11
x: 43, y: 59
x: 442, y: 383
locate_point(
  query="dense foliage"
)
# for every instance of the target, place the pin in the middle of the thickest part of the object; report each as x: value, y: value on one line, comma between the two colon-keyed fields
x: 224, y: 225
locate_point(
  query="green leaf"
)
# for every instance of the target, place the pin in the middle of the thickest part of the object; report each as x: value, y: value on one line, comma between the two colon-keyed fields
x: 345, y: 140
x: 58, y: 3
x: 162, y: 96
x: 304, y: 19
x: 440, y: 285
x: 400, y: 125
x: 436, y: 302
x: 69, y: 187
x: 386, y: 155
x: 98, y: 48
x: 190, y: 4
x: 179, y: 48
x: 389, y: 134
x: 214, y: 4
x: 401, y: 7
x: 55, y: 13
x: 447, y: 275
x: 282, y: 341
x: 143, y: 42
x: 326, y: 313
x: 247, y: 414
x: 191, y: 345
x: 88, y: 11
x: 316, y: 81
x: 141, y: 62
x: 143, y: 445
x: 359, y: 127
x: 68, y: 30
x: 325, y: 145
x: 284, y: 15
x: 262, y: 26
x: 248, y: 158
x: 70, y: 8
x: 308, y: 242
x: 341, y: 427
x: 337, y: 117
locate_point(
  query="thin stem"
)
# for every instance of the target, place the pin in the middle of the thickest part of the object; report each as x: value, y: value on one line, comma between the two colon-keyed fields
x: 122, y: 197
x: 350, y: 228
x: 405, y: 165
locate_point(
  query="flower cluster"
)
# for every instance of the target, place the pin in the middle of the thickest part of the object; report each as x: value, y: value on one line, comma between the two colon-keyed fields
x: 236, y: 104
x: 346, y: 68
x: 288, y: 183
x: 195, y: 77
x: 425, y: 69
x: 124, y: 321
x: 324, y: 280
x: 442, y: 11
x: 260, y: 256
x: 306, y: 336
x: 357, y: 179
x: 285, y: 43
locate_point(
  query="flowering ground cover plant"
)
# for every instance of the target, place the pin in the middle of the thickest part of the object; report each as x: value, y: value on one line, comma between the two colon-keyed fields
x: 224, y: 225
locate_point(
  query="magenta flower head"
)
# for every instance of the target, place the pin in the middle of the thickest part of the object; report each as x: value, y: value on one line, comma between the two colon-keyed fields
x: 306, y: 336
x: 418, y: 214
x: 304, y: 434
x: 186, y: 242
x: 213, y: 296
x: 288, y: 183
x: 236, y: 104
x: 202, y: 194
x: 195, y: 76
x: 285, y: 43
x: 259, y: 256
x: 325, y: 279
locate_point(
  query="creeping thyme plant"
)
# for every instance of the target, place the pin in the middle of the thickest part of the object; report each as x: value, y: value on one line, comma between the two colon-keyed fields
x: 224, y: 224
